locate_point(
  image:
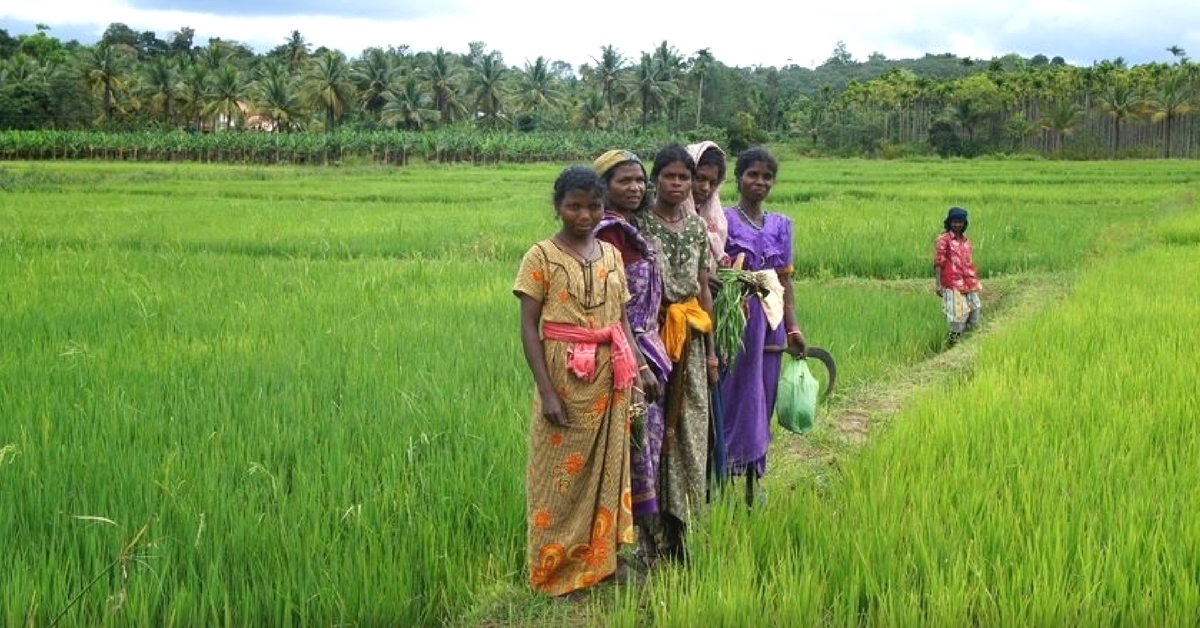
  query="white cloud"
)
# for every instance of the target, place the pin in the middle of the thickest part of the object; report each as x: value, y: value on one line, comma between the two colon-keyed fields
x: 769, y: 32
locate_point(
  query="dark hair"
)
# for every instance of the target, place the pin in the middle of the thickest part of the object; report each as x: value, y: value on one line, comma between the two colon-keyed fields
x: 751, y: 155
x: 578, y: 178
x: 713, y: 156
x: 669, y: 154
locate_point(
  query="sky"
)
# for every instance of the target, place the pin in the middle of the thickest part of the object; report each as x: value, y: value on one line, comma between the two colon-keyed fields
x: 763, y: 33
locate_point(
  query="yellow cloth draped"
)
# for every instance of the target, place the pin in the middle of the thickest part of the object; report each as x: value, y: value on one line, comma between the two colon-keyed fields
x: 680, y: 318
x: 612, y: 159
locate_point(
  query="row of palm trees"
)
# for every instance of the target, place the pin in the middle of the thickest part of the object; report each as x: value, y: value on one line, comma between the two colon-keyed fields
x: 1023, y: 108
x: 1009, y: 104
x: 294, y: 88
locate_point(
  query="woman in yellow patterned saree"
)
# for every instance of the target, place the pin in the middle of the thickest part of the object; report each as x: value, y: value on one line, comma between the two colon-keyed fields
x: 579, y: 349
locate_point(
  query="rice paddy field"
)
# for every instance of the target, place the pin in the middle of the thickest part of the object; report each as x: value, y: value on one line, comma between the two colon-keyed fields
x: 295, y: 397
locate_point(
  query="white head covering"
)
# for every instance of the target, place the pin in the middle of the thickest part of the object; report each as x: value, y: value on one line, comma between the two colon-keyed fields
x: 712, y: 212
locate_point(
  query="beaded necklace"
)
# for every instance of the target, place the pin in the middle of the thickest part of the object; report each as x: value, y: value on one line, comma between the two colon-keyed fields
x: 753, y: 225
x: 674, y: 220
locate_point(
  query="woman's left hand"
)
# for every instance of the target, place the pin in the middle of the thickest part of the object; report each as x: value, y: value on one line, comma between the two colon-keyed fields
x: 714, y: 374
x: 796, y: 343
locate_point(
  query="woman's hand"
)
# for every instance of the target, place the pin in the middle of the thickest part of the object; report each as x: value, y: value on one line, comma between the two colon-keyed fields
x: 649, y: 384
x: 714, y: 373
x: 552, y: 409
x: 797, y: 345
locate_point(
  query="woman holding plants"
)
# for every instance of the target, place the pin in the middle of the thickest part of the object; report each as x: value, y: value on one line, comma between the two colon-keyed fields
x: 625, y: 177
x: 680, y: 238
x: 578, y: 346
x: 760, y: 242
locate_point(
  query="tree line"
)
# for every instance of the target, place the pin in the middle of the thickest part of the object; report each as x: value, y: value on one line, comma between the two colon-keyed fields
x: 131, y: 81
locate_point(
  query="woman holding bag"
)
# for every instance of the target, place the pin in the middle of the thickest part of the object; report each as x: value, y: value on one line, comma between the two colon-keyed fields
x: 762, y: 241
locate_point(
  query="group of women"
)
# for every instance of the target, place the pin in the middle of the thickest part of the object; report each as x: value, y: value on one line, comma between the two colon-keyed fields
x: 634, y: 413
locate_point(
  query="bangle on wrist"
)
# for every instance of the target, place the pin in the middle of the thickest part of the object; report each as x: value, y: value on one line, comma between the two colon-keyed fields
x: 644, y: 367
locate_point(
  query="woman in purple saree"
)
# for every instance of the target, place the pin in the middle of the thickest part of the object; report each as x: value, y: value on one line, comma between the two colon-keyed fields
x: 625, y: 176
x: 762, y: 241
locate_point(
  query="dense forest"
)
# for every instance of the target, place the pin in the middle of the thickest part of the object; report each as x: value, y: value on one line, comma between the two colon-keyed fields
x: 135, y: 84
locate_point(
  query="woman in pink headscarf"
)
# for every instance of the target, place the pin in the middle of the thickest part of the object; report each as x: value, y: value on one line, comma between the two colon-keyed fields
x: 706, y: 199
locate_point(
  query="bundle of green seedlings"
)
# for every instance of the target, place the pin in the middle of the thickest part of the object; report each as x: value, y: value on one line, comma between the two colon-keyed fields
x: 729, y: 308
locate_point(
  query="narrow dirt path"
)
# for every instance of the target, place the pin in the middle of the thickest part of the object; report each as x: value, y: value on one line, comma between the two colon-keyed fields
x: 851, y: 418
x: 855, y: 415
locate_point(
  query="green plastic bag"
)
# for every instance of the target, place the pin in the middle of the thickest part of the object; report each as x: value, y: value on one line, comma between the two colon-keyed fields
x: 796, y: 400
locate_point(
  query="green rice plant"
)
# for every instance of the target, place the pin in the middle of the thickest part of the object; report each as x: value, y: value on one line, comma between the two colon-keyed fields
x: 879, y: 219
x: 1053, y: 487
x: 729, y: 309
x: 307, y: 386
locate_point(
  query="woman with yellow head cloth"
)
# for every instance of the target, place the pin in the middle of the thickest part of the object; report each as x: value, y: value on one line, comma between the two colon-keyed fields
x: 625, y: 177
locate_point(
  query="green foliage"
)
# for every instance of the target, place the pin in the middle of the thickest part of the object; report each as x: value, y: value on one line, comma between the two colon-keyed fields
x: 442, y: 145
x: 744, y: 133
x: 279, y: 370
x: 944, y: 139
x: 839, y: 107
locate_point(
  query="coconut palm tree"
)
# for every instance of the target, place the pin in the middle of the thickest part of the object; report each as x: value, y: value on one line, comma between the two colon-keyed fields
x: 1119, y: 100
x: 653, y: 87
x: 277, y: 97
x: 1169, y: 98
x: 408, y: 107
x: 21, y: 68
x: 104, y: 69
x: 701, y: 66
x: 968, y: 116
x: 1061, y: 119
x: 608, y: 75
x: 215, y: 54
x: 195, y: 77
x: 589, y: 113
x: 296, y: 52
x: 538, y: 89
x: 163, y: 85
x: 442, y: 76
x: 328, y: 87
x: 670, y: 67
x: 486, y: 86
x: 373, y: 75
x: 1019, y: 129
x: 227, y: 93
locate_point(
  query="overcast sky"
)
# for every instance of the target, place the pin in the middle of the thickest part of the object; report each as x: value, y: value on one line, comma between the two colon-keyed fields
x: 763, y: 32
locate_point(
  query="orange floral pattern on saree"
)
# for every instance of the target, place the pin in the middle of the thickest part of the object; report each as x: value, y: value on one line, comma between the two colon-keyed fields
x: 578, y: 497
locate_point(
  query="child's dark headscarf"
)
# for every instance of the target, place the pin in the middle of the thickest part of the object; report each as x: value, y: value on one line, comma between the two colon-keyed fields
x: 956, y: 213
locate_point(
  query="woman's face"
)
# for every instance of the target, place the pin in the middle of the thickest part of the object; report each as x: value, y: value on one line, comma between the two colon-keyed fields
x: 755, y: 183
x: 580, y: 211
x: 627, y: 188
x: 674, y: 183
x: 705, y: 183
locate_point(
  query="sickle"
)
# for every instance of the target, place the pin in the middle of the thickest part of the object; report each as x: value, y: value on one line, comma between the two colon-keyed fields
x: 813, y: 353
